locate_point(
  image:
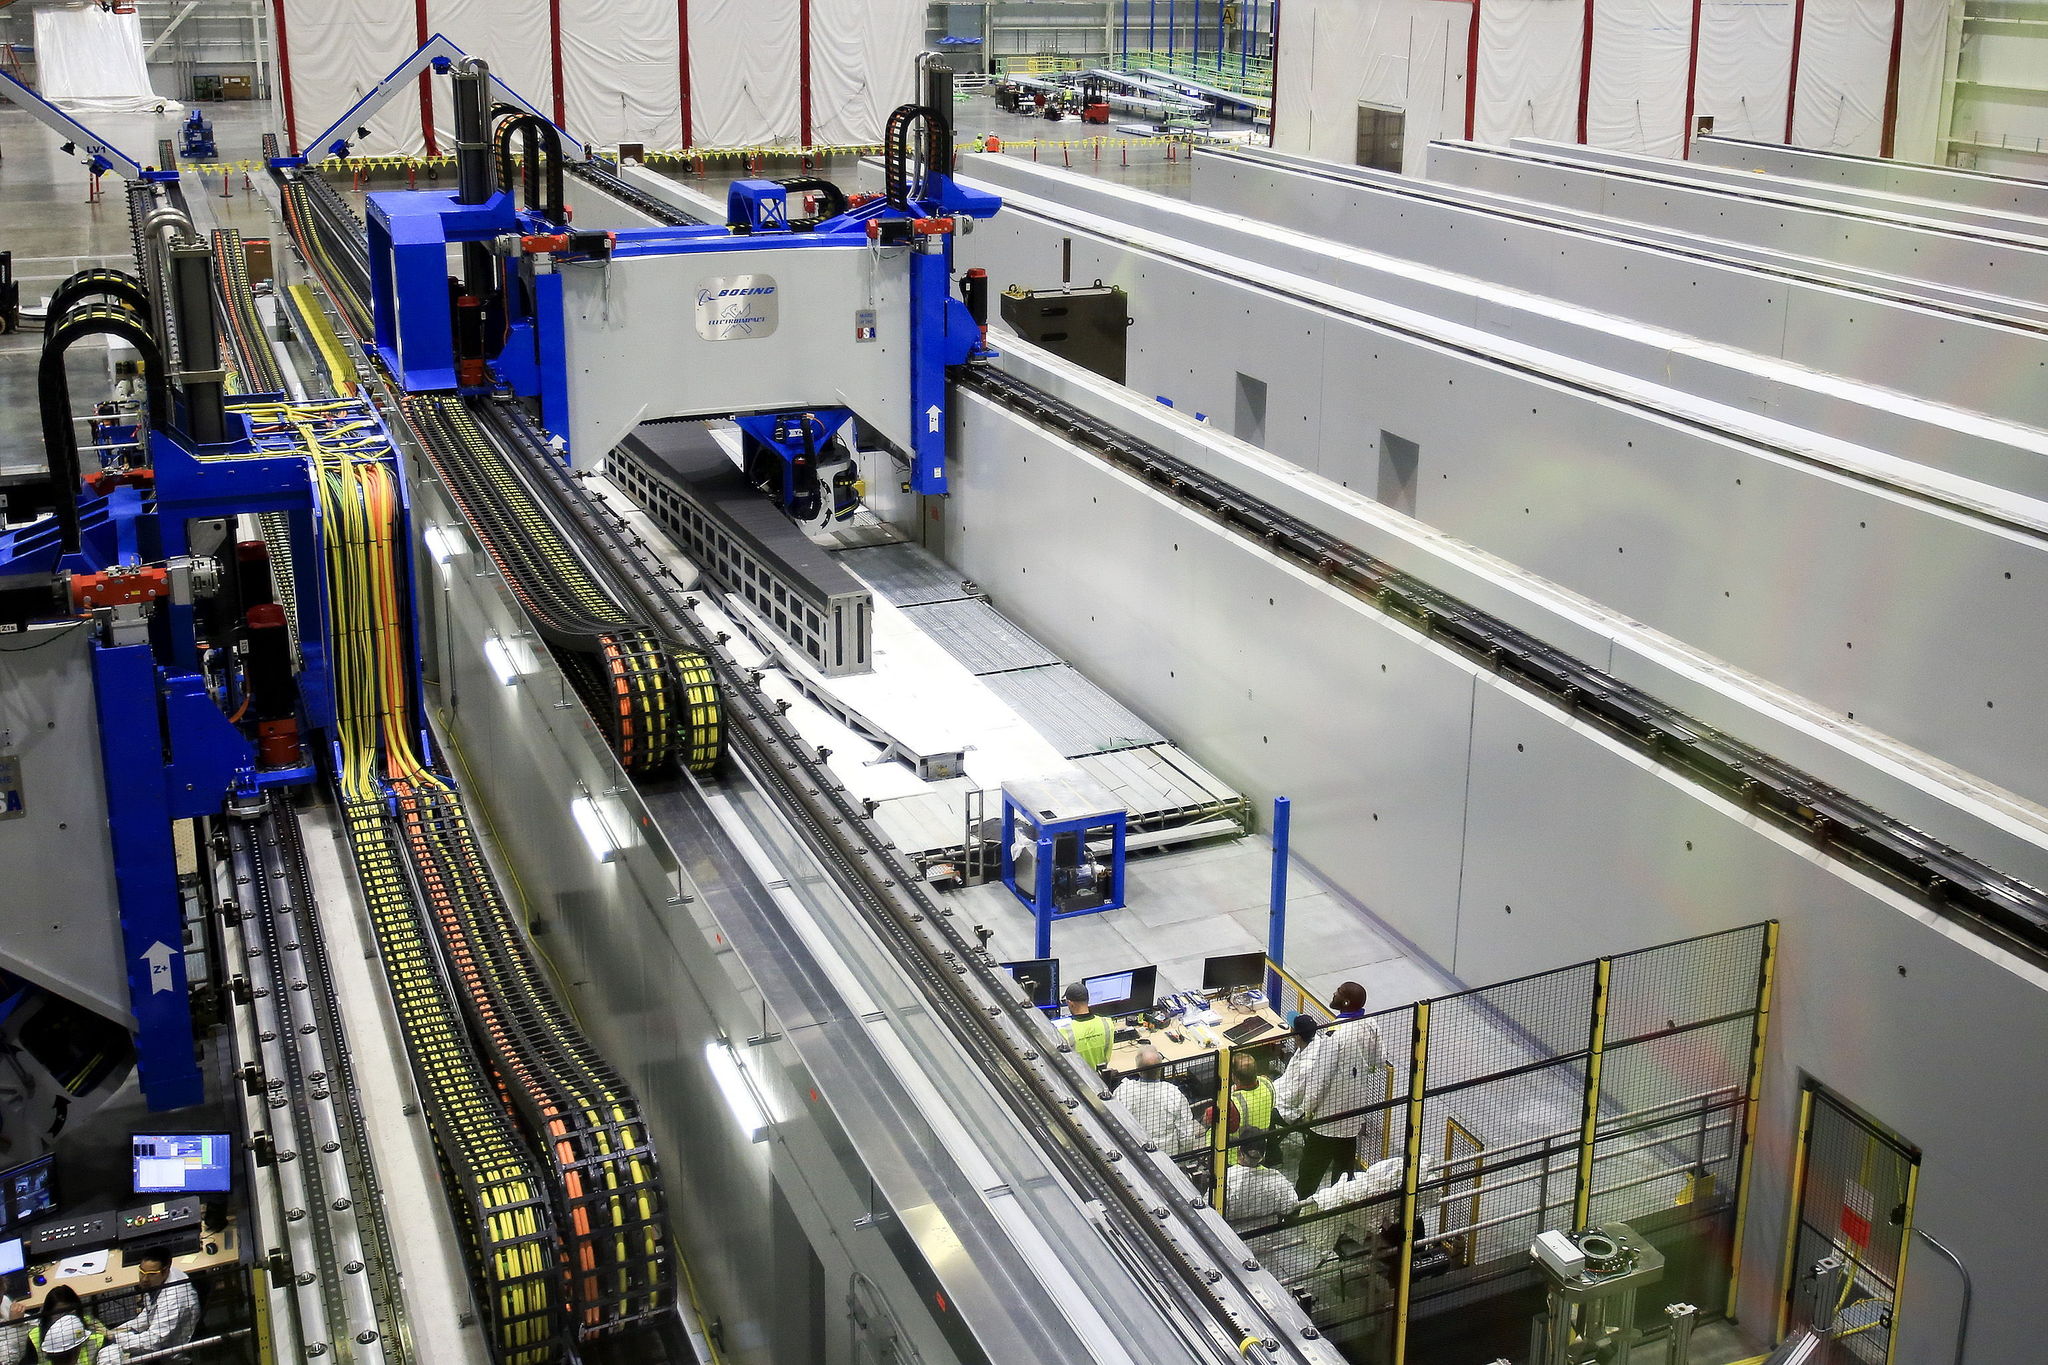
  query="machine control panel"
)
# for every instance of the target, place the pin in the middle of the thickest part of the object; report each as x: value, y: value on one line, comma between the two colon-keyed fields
x: 55, y: 1239
x: 152, y: 1220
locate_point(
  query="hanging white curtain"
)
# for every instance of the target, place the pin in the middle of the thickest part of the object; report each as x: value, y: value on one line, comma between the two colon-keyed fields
x: 1636, y: 98
x: 1529, y: 54
x: 1744, y: 66
x: 1843, y: 59
x: 338, y: 50
x: 511, y: 35
x: 622, y: 71
x: 862, y: 65
x: 1922, y: 57
x: 743, y: 73
x: 90, y: 61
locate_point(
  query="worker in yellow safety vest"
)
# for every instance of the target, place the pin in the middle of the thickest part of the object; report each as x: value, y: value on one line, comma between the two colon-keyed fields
x: 1251, y: 1104
x: 1090, y: 1032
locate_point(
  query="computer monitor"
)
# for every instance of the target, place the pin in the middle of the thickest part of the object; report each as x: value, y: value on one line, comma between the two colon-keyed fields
x: 1237, y: 972
x: 12, y: 1262
x: 182, y: 1163
x: 30, y: 1190
x: 1122, y: 992
x: 1040, y: 978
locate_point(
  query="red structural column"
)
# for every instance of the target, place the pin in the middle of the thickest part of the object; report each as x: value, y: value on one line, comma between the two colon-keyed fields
x: 555, y: 57
x: 683, y: 62
x: 1891, y: 80
x: 427, y: 82
x: 1471, y: 69
x: 1585, y: 68
x: 1692, y: 78
x: 803, y: 74
x: 284, y: 76
x: 421, y: 34
x: 1792, y: 81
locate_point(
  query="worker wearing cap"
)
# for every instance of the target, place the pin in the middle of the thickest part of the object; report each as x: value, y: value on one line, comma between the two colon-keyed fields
x: 1090, y: 1032
x: 69, y: 1341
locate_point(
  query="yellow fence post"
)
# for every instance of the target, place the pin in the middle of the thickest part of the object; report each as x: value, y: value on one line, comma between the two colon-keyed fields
x: 1219, y: 1134
x: 1792, y: 1213
x: 1891, y: 1336
x: 1767, y: 972
x: 1589, y: 1118
x: 1411, y: 1172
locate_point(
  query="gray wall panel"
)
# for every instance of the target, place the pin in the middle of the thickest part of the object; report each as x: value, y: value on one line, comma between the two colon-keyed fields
x: 1995, y: 267
x: 1877, y: 173
x: 1279, y: 683
x: 1820, y: 194
x: 62, y: 923
x: 1870, y: 603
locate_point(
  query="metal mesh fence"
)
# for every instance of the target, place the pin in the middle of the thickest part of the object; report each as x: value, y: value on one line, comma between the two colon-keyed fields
x: 1412, y: 1156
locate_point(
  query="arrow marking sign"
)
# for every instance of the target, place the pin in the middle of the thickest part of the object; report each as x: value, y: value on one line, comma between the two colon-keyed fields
x: 158, y: 958
x: 931, y: 417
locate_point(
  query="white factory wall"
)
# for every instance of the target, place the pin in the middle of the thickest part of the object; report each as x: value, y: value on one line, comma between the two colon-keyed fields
x: 621, y: 66
x: 1412, y: 55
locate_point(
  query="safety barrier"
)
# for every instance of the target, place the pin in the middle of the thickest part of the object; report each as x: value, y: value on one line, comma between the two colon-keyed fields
x: 1622, y: 1089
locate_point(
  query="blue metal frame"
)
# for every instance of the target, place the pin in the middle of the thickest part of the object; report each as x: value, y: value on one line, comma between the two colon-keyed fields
x: 105, y: 155
x: 410, y: 232
x: 167, y: 751
x: 1276, y: 903
x: 1044, y: 830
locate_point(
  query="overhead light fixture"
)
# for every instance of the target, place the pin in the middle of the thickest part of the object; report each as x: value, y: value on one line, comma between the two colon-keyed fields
x: 746, y: 1110
x: 442, y: 543
x: 363, y: 134
x: 69, y: 149
x: 591, y: 824
x: 504, y: 657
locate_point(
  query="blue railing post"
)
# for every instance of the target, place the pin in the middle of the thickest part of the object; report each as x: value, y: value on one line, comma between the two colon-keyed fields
x: 1042, y: 889
x: 1276, y: 915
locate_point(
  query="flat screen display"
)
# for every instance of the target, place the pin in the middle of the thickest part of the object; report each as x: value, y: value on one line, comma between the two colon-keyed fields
x: 1122, y: 992
x: 1238, y: 972
x: 11, y: 1261
x: 1040, y: 978
x: 30, y: 1189
x: 182, y: 1163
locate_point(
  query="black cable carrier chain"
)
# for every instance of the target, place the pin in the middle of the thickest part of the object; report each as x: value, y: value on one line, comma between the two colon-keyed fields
x: 2010, y: 912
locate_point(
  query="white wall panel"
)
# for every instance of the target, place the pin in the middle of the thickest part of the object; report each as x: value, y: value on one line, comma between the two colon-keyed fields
x: 1636, y: 97
x: 1843, y: 59
x: 862, y: 55
x: 1529, y: 53
x: 621, y: 71
x: 1395, y: 54
x: 338, y: 50
x: 1744, y: 66
x: 743, y: 72
x: 511, y: 35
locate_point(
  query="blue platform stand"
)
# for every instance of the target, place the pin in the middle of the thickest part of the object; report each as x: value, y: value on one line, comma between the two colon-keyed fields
x: 1055, y: 820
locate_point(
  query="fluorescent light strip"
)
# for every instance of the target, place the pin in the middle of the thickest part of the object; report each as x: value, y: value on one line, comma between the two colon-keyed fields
x: 746, y: 1110
x: 591, y: 824
x: 498, y: 653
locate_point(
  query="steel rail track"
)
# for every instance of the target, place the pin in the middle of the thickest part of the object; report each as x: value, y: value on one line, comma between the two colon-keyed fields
x: 255, y: 364
x: 600, y: 175
x: 2004, y: 909
x: 333, y: 1200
